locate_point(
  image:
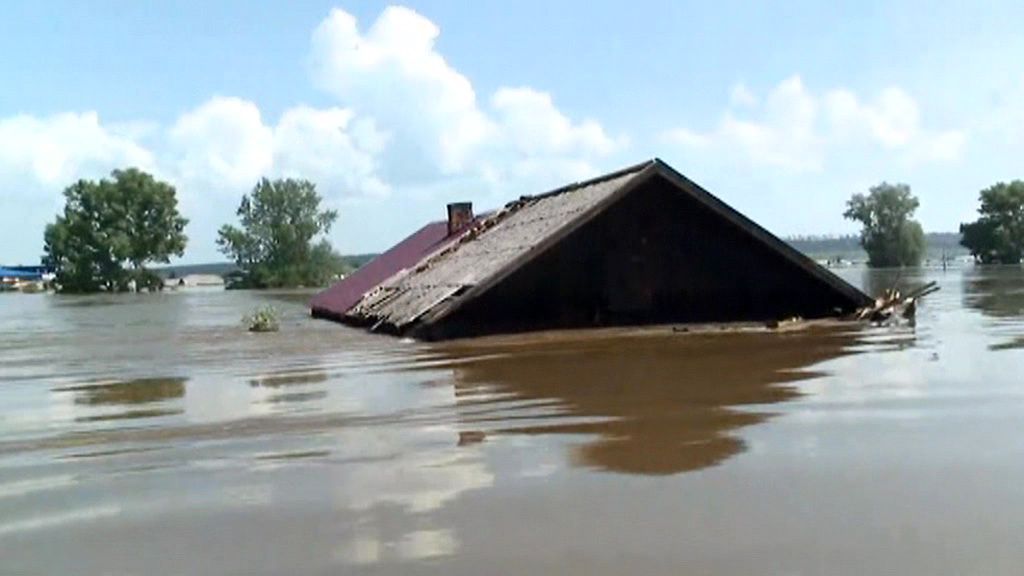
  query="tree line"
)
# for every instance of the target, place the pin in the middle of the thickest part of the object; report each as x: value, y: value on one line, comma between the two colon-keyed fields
x: 891, y: 237
x: 112, y: 228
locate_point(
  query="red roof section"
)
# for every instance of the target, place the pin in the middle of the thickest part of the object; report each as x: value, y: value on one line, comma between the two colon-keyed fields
x: 336, y: 300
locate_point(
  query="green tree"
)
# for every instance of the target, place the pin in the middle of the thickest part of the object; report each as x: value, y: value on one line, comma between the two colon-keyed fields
x: 889, y: 235
x: 276, y: 245
x: 110, y: 229
x: 997, y: 236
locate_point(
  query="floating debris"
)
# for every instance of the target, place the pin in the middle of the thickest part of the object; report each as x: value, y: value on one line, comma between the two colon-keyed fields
x: 893, y: 305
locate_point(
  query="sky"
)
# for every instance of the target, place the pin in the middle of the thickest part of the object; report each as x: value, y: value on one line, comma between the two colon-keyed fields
x: 783, y: 110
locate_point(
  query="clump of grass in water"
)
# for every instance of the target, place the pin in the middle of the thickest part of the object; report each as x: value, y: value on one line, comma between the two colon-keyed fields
x: 263, y: 319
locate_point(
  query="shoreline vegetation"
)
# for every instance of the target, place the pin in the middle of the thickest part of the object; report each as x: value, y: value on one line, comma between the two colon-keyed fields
x: 114, y: 234
x: 847, y: 247
x: 831, y: 249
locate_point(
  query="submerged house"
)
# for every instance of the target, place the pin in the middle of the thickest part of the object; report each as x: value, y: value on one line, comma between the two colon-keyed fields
x: 640, y: 246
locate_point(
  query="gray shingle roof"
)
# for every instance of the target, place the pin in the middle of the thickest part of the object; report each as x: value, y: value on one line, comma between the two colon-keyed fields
x: 500, y: 243
x: 497, y: 242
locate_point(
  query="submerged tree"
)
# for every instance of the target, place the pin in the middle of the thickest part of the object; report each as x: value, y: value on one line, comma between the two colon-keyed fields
x: 997, y: 236
x: 276, y: 245
x: 110, y: 229
x: 889, y: 235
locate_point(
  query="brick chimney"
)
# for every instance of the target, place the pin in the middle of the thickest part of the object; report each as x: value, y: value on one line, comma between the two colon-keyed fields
x: 460, y: 215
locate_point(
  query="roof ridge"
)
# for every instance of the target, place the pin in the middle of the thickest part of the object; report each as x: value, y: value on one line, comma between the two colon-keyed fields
x: 589, y: 182
x: 490, y: 219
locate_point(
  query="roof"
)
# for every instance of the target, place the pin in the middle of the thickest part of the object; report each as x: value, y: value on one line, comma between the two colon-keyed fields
x: 498, y: 245
x: 337, y: 299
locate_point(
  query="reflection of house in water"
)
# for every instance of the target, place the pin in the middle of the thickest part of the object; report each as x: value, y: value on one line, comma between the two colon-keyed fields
x: 658, y: 404
x: 133, y: 394
x: 639, y: 246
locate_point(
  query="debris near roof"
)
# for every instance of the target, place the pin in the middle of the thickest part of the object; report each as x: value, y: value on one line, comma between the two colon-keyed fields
x: 892, y: 305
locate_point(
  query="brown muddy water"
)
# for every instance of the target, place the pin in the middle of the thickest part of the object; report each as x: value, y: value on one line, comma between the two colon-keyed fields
x: 150, y: 434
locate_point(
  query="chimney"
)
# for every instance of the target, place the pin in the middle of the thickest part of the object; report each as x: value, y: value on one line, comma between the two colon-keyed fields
x: 460, y: 215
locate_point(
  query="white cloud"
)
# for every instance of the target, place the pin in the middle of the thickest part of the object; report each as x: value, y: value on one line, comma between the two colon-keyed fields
x: 225, y: 145
x: 406, y: 119
x: 222, y: 143
x: 533, y: 126
x: 327, y: 145
x: 892, y: 120
x: 54, y: 150
x: 785, y: 136
x: 796, y: 130
x: 394, y: 74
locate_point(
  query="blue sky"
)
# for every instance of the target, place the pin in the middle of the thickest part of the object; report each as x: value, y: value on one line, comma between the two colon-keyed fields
x: 782, y: 111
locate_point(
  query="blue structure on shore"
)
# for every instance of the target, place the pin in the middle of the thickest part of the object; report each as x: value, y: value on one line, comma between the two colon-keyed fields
x: 23, y: 272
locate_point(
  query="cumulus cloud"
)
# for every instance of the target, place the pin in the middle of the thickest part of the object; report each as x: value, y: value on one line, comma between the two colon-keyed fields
x: 222, y: 142
x: 326, y: 143
x: 53, y: 150
x: 532, y: 125
x: 406, y: 118
x: 405, y: 121
x: 795, y: 129
x: 225, y: 144
x: 393, y: 73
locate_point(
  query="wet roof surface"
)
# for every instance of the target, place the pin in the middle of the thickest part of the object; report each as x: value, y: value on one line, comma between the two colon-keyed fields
x: 337, y: 299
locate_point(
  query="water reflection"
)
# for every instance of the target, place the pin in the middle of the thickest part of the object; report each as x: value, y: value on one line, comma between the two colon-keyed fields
x: 138, y: 391
x: 297, y: 379
x: 127, y: 393
x: 395, y: 489
x: 998, y: 293
x: 658, y: 404
x: 417, y: 545
x: 302, y: 455
x: 130, y: 415
x: 281, y: 379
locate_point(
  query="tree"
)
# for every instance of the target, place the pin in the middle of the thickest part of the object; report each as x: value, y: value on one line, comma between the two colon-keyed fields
x: 889, y: 235
x: 275, y: 246
x: 997, y: 236
x: 111, y: 229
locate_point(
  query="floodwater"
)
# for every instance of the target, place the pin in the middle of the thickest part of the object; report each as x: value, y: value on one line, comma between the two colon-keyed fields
x: 150, y: 434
